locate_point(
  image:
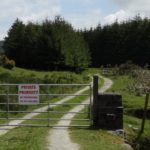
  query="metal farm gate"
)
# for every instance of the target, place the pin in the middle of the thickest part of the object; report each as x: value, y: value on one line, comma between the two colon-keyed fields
x: 44, y: 104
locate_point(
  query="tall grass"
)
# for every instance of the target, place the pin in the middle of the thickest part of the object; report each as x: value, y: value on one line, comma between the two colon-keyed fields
x: 18, y: 76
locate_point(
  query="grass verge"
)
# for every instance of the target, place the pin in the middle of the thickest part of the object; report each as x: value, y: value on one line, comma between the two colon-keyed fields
x: 132, y: 102
x: 92, y: 139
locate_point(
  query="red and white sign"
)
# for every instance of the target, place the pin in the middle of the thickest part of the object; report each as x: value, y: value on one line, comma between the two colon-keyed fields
x: 28, y: 94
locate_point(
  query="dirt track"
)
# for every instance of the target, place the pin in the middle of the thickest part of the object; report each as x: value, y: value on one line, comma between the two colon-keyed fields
x: 14, y: 123
x: 59, y: 138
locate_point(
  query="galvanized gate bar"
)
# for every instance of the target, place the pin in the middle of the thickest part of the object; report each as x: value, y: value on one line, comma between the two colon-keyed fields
x: 45, y: 119
x: 8, y: 94
x: 49, y: 94
x: 49, y: 104
x: 47, y: 84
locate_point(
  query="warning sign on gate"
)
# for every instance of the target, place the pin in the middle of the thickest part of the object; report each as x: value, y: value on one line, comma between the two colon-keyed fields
x: 28, y: 94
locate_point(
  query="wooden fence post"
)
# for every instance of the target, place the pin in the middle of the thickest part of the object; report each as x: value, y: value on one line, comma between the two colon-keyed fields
x: 144, y: 117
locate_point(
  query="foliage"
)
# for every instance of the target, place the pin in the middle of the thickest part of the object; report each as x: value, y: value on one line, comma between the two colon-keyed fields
x: 55, y: 45
x: 6, y: 63
x: 127, y: 68
x: 119, y: 42
x: 52, y: 45
x: 141, y: 84
x: 1, y: 47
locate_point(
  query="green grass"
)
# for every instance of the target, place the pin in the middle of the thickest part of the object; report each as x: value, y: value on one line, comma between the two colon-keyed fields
x: 25, y: 138
x: 64, y: 107
x: 90, y: 139
x: 93, y: 139
x: 132, y: 102
x: 22, y: 138
x: 100, y: 139
x: 18, y: 75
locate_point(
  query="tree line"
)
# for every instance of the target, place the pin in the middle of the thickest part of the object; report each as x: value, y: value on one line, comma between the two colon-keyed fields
x: 56, y: 45
x: 51, y: 45
x: 118, y: 43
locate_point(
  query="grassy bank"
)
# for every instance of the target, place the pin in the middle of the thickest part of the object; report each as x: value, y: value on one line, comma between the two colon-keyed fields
x: 18, y: 75
x: 131, y: 103
x: 90, y: 139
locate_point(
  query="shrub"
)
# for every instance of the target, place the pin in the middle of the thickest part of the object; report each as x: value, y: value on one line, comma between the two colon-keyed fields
x: 127, y: 68
x: 7, y: 63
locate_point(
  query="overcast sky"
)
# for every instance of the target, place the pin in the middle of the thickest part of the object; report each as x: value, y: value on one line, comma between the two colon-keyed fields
x: 80, y: 13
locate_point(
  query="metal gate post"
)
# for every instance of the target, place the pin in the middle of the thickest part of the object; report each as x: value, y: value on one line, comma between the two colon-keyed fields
x: 95, y: 99
x: 144, y: 118
x: 48, y: 109
x: 48, y: 114
x: 90, y: 107
x: 8, y: 105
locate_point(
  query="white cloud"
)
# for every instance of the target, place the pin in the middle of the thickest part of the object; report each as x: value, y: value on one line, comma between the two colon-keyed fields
x: 129, y: 9
x: 86, y: 1
x: 134, y: 6
x: 88, y: 12
x: 39, y: 9
x: 26, y: 10
x: 42, y: 14
x: 90, y: 19
x: 119, y: 16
